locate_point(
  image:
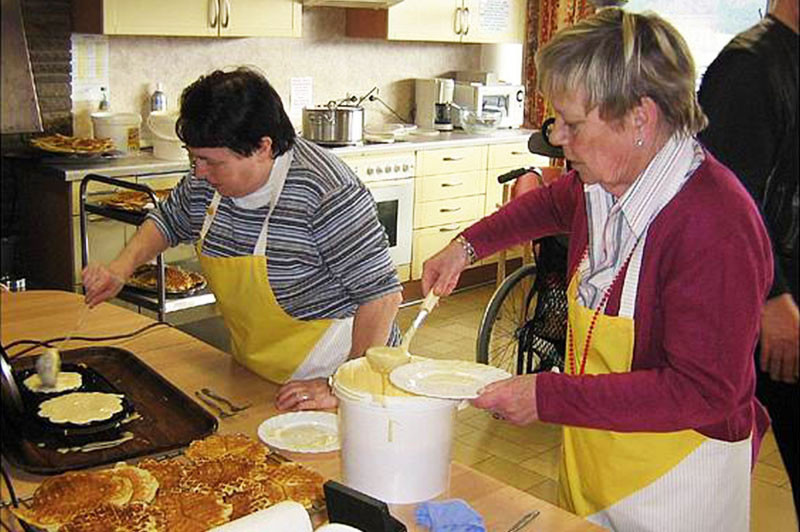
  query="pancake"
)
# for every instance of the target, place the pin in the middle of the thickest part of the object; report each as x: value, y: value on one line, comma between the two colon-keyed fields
x: 135, y: 517
x: 81, y: 408
x: 58, y: 499
x: 66, y: 380
x: 299, y: 483
x: 223, y: 476
x: 192, y: 511
x: 144, y: 482
x: 168, y: 473
x: 254, y: 495
x: 221, y: 445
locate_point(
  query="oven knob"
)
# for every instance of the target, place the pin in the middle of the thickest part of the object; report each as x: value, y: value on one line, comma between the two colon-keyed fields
x: 388, y: 168
x: 369, y: 170
x: 379, y: 170
x: 397, y: 168
x: 405, y: 167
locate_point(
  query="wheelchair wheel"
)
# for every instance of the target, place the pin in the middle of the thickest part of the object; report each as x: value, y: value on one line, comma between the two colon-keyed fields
x: 504, y: 323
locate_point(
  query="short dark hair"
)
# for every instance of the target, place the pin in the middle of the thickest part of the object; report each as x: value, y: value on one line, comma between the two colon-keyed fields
x: 234, y: 110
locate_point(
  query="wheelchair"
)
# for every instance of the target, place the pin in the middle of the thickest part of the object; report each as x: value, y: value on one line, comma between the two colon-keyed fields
x: 524, y: 326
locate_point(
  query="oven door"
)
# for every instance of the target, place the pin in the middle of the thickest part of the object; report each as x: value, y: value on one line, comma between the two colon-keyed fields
x: 395, y: 201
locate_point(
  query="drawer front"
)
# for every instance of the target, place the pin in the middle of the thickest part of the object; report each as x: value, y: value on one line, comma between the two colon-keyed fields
x: 513, y: 155
x: 448, y: 211
x: 451, y: 160
x: 427, y: 242
x: 432, y: 188
x: 92, y: 189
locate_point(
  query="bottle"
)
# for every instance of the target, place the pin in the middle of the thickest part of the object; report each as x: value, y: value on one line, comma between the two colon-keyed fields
x: 104, y: 104
x: 158, y: 101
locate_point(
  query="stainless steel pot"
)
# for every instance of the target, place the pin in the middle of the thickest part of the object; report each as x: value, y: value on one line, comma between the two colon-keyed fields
x: 334, y: 125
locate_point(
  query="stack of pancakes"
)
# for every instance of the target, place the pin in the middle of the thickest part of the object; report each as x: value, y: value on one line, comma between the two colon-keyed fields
x: 135, y: 200
x: 220, y: 478
x: 176, y: 280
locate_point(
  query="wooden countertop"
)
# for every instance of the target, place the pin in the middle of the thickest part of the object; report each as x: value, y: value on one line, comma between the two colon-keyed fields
x: 191, y: 365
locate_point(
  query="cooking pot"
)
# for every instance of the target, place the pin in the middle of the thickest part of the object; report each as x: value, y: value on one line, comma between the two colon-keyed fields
x: 334, y: 124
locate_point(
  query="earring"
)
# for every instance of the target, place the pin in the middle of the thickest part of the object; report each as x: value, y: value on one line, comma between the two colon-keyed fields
x: 639, y: 142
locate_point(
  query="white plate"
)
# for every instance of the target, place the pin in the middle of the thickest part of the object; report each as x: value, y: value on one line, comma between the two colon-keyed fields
x: 302, y: 432
x: 446, y: 379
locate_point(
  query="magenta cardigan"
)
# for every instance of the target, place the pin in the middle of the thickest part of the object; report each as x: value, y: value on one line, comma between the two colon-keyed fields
x: 705, y: 274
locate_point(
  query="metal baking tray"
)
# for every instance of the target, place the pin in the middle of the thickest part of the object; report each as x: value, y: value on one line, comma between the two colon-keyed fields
x: 169, y: 419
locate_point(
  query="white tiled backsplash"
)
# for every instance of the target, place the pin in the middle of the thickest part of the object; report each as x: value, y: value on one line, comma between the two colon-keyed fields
x: 338, y: 65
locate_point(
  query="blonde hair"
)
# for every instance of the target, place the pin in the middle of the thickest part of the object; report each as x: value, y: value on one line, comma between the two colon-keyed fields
x: 617, y: 58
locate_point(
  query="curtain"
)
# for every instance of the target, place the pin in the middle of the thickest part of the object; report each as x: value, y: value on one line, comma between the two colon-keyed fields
x: 544, y: 19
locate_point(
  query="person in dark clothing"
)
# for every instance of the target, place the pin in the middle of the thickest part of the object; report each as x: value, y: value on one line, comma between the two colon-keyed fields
x: 749, y: 94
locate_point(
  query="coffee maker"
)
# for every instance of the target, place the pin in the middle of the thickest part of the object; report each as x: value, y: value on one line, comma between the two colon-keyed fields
x: 434, y: 98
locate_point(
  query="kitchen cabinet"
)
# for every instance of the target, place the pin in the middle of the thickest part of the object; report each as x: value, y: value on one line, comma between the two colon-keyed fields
x: 504, y: 158
x: 465, y: 21
x: 449, y: 196
x: 189, y: 18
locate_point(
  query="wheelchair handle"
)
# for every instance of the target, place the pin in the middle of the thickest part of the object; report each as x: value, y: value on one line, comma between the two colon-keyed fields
x: 513, y: 174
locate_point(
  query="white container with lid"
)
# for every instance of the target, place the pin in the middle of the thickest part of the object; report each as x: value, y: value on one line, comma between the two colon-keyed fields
x: 122, y: 128
x: 396, y: 446
x: 166, y: 144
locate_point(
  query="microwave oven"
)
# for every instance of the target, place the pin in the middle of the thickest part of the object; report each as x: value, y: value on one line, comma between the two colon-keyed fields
x: 506, y: 98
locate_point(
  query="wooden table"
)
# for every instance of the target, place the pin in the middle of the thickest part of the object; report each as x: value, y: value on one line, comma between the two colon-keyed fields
x: 191, y: 364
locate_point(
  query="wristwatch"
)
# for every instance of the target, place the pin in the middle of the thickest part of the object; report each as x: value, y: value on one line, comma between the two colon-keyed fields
x: 472, y: 257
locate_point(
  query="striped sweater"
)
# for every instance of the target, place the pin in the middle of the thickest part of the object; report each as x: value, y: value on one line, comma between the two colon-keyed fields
x: 327, y: 252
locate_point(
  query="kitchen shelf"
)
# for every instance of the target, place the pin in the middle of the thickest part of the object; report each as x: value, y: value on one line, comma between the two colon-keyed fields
x: 159, y: 301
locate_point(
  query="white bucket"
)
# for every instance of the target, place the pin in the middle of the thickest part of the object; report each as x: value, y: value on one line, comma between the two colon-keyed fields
x: 166, y: 144
x: 121, y: 128
x: 395, y: 447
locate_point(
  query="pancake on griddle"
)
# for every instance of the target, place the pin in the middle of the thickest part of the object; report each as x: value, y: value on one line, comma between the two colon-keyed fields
x: 221, y: 445
x: 58, y: 499
x: 144, y: 482
x: 66, y: 380
x: 192, y: 511
x: 135, y: 517
x: 81, y: 408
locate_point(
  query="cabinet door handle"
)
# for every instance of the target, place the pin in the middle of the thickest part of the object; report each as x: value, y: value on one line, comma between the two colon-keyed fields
x: 452, y: 159
x: 450, y: 209
x: 213, y: 12
x: 466, y: 14
x: 519, y: 153
x: 449, y: 228
x: 457, y: 184
x: 227, y: 7
x: 457, y: 21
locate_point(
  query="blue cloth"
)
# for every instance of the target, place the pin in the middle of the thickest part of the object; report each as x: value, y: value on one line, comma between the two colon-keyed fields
x: 454, y: 515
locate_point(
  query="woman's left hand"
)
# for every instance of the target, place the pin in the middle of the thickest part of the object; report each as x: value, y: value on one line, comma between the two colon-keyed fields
x: 511, y: 399
x: 312, y: 394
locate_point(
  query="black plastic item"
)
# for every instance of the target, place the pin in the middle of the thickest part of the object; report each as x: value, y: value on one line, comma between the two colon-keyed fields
x: 539, y: 142
x: 352, y: 507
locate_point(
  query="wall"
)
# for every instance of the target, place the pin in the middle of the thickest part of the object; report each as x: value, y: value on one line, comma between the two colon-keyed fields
x: 338, y: 65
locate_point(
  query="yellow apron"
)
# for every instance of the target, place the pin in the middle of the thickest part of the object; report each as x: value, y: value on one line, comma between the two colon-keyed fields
x: 264, y: 338
x: 636, y: 481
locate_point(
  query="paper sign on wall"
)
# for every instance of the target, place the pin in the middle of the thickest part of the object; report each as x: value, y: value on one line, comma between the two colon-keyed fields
x: 493, y: 15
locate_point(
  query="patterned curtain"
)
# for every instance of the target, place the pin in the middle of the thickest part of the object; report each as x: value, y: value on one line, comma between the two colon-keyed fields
x: 544, y: 19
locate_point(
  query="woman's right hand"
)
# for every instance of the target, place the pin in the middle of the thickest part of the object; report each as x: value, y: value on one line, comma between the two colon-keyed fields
x: 440, y: 273
x: 101, y: 282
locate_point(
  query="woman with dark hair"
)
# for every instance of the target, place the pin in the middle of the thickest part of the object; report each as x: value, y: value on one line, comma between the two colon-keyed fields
x: 286, y: 234
x: 669, y: 264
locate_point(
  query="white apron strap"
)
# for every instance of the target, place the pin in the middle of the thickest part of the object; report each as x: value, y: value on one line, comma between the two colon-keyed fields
x: 280, y: 169
x: 211, y: 211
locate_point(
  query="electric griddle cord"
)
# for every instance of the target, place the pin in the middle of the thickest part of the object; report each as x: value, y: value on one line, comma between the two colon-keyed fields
x: 14, y: 500
x: 49, y: 342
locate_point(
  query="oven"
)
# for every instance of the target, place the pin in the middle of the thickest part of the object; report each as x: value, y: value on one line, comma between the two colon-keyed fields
x: 390, y: 179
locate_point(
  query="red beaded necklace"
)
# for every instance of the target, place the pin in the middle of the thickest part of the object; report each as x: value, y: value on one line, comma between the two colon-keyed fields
x: 571, y: 334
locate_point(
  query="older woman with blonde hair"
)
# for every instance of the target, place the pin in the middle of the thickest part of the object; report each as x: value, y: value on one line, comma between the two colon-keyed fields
x: 669, y: 265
